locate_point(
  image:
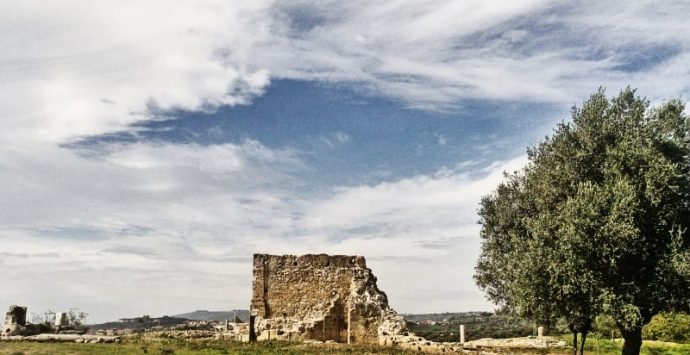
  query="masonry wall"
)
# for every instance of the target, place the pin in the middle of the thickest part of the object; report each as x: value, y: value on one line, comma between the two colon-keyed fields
x: 318, y: 297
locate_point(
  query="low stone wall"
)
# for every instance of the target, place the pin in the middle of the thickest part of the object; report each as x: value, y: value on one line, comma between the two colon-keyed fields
x: 63, y: 338
x: 532, y: 342
x: 510, y: 345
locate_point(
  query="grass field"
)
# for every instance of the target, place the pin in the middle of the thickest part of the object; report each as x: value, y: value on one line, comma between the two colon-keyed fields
x: 649, y: 347
x: 181, y: 347
x: 216, y: 347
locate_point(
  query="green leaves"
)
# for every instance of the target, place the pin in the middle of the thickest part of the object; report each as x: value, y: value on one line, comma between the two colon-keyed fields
x: 596, y: 222
x: 669, y: 327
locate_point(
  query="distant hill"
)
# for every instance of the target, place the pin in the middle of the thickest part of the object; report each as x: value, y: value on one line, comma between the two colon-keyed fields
x: 140, y: 323
x: 242, y: 314
x: 438, y: 317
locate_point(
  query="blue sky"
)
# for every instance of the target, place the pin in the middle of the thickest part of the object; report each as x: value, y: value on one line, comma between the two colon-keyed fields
x: 347, y: 137
x: 147, y: 149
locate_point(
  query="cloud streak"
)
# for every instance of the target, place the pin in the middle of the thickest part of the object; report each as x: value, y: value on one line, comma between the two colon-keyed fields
x: 434, y: 54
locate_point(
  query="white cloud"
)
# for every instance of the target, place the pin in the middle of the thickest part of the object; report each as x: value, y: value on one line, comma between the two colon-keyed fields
x: 419, y: 231
x: 168, y: 220
x: 422, y: 202
x: 88, y: 230
x: 54, y: 187
x: 434, y: 54
x: 142, y: 221
x: 79, y: 68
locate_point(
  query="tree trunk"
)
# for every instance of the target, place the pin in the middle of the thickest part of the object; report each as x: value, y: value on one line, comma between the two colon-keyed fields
x: 633, y: 341
x: 582, y: 342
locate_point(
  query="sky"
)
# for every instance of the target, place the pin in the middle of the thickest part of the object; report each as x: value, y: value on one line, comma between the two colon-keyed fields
x: 149, y: 148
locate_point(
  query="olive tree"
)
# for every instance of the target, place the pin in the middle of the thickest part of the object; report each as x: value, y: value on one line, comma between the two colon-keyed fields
x: 597, y: 222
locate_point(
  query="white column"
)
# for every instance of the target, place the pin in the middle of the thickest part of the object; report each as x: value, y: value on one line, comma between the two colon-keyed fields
x: 349, y: 313
x: 540, y: 332
x: 462, y: 333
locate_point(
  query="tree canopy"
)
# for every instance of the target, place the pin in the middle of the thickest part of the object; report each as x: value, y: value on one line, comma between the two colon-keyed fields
x: 597, y: 222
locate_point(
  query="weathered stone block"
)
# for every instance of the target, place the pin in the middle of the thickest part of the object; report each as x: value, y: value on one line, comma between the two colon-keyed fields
x: 61, y: 319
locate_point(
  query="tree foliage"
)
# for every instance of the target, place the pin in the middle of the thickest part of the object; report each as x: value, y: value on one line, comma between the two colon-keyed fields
x: 597, y: 222
x: 671, y: 326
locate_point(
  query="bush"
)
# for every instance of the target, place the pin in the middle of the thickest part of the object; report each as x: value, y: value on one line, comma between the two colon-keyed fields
x: 673, y: 327
x: 33, y: 329
x: 605, y: 327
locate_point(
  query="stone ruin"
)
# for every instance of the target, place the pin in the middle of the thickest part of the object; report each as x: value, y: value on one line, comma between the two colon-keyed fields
x: 319, y: 297
x: 15, y: 320
x: 334, y: 298
x: 61, y: 320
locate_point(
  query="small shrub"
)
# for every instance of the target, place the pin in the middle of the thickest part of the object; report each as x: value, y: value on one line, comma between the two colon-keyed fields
x: 673, y: 327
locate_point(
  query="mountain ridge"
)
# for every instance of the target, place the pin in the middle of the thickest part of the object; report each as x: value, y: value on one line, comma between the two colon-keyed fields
x: 206, y: 315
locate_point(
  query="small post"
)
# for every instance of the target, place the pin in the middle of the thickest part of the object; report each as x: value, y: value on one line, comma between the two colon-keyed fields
x: 462, y: 334
x: 540, y: 332
x: 349, y: 313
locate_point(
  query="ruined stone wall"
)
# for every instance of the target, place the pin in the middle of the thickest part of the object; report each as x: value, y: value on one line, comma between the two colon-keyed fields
x: 15, y: 319
x: 319, y: 297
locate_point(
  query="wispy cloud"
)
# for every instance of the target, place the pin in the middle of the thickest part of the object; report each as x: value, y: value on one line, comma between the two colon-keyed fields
x: 334, y: 139
x: 146, y: 215
x: 434, y: 54
x: 75, y: 75
x: 168, y: 219
x: 137, y: 217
